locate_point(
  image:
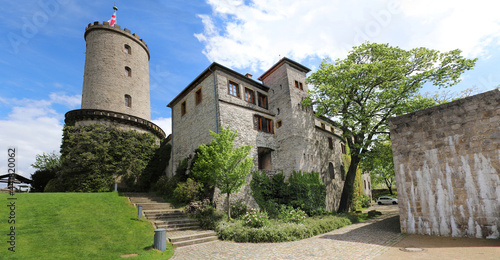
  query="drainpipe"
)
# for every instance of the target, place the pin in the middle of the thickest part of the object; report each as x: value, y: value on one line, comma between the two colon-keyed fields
x: 216, y: 101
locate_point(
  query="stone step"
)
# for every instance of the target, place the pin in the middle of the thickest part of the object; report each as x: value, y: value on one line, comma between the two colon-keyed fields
x: 147, y: 200
x: 139, y: 194
x: 194, y: 241
x: 164, y: 214
x: 177, y: 227
x: 155, y: 206
x: 175, y: 221
x: 193, y: 236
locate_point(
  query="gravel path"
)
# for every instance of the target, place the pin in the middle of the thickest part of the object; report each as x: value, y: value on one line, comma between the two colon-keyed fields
x: 364, y: 240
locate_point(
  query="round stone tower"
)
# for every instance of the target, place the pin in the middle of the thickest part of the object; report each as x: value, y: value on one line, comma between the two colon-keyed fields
x: 116, y: 81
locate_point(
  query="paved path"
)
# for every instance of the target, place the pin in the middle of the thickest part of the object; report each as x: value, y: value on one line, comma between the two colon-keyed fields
x: 358, y: 241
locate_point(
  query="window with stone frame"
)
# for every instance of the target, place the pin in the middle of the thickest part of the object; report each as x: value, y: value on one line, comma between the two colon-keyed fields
x: 197, y: 97
x: 330, y: 143
x: 233, y: 89
x: 332, y: 129
x: 249, y: 95
x: 296, y: 84
x: 301, y: 86
x: 262, y: 100
x: 263, y: 124
x: 183, y: 108
x: 279, y: 124
x: 128, y: 72
x: 323, y: 125
x: 344, y: 150
x: 127, y: 49
x: 128, y: 101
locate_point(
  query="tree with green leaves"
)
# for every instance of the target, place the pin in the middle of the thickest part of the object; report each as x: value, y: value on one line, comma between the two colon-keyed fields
x: 47, y: 161
x: 222, y: 165
x: 374, y: 83
x: 379, y: 162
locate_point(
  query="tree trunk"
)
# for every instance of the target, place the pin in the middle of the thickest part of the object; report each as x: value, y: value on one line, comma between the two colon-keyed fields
x: 346, y: 199
x: 389, y: 186
x: 228, y: 208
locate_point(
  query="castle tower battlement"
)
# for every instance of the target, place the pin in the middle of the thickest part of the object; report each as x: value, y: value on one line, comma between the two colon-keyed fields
x: 116, y: 81
x: 116, y: 74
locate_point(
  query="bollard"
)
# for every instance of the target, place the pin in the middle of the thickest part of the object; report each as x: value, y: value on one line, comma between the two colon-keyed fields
x: 139, y: 211
x: 160, y: 239
x: 116, y: 186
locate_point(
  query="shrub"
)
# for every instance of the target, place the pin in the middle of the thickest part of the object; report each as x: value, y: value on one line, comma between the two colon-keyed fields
x: 289, y: 214
x: 365, y: 201
x: 255, y: 218
x: 209, y: 217
x: 187, y: 191
x: 238, y: 209
x: 279, y: 232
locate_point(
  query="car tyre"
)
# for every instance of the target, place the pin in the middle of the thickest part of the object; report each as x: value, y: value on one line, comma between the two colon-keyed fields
x: 394, y: 203
x: 379, y: 203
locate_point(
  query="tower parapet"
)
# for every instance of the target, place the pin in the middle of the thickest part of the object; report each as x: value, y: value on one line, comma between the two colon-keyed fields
x: 116, y: 28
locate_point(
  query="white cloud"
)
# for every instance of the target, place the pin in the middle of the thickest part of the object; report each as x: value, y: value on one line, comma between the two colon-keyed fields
x: 165, y: 124
x: 254, y: 35
x: 33, y: 127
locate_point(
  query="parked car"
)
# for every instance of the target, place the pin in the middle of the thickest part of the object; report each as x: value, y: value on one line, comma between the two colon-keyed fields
x: 387, y: 200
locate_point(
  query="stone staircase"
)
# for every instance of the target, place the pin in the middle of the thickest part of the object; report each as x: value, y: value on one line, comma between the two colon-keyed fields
x: 181, y: 230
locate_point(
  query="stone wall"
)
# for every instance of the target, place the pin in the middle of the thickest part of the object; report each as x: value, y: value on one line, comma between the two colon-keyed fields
x: 447, y: 161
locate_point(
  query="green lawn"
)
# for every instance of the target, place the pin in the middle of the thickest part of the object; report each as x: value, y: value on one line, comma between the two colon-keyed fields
x: 76, y: 226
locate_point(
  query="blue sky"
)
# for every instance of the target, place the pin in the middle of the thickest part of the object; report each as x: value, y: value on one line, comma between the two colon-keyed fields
x: 42, y: 48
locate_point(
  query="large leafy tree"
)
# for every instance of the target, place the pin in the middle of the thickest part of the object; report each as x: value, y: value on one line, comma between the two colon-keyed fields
x: 374, y: 83
x: 222, y: 165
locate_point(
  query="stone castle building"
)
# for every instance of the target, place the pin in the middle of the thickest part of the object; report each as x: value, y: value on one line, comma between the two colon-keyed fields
x: 115, y: 82
x: 284, y: 135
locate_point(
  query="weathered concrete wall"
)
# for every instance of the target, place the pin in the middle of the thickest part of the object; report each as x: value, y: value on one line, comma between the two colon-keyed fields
x: 447, y: 161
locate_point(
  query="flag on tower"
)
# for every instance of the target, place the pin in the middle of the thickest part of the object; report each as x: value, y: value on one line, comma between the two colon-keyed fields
x: 112, y: 21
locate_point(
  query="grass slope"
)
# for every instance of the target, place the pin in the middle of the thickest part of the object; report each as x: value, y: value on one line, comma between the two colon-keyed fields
x: 76, y: 226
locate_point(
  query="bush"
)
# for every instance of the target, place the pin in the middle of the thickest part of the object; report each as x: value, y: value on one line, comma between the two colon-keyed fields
x: 365, y: 201
x: 238, y: 209
x: 278, y: 231
x: 53, y: 186
x: 187, y: 191
x: 289, y: 214
x: 303, y: 190
x: 209, y: 217
x: 256, y: 219
x: 41, y: 178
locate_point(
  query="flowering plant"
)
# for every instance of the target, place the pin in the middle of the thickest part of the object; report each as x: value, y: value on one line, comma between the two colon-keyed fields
x: 255, y: 218
x: 289, y: 214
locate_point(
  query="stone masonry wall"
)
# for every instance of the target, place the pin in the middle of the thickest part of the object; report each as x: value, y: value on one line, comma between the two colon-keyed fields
x: 447, y: 161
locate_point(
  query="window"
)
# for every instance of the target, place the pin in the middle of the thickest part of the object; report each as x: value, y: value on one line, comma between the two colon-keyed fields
x: 233, y: 89
x: 323, y: 125
x: 249, y: 95
x: 183, y: 108
x: 342, y: 145
x: 296, y: 84
x: 262, y: 101
x: 127, y: 49
x: 331, y: 129
x: 330, y: 143
x: 128, y: 72
x: 300, y: 86
x: 279, y: 124
x: 263, y: 124
x: 197, y: 97
x: 331, y: 171
x: 128, y: 101
x: 264, y: 157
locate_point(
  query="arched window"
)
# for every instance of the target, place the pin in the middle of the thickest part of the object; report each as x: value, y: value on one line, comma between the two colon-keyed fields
x: 128, y: 71
x: 128, y: 101
x: 330, y: 171
x: 127, y: 49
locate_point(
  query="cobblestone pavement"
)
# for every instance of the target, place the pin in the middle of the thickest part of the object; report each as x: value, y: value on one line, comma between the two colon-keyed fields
x: 364, y: 240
